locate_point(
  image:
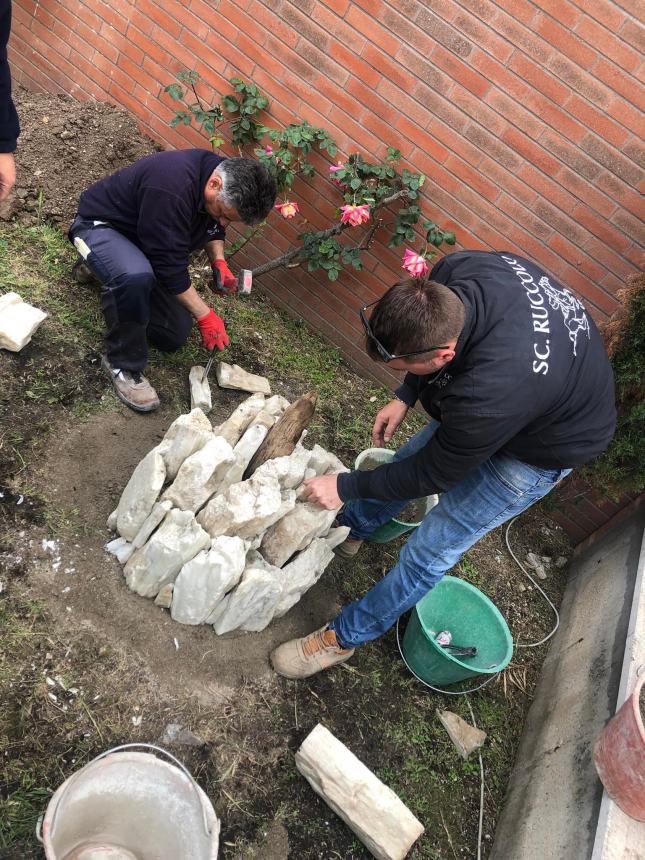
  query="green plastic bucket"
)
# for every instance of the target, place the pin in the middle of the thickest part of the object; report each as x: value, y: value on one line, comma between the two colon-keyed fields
x: 395, y: 528
x: 472, y: 619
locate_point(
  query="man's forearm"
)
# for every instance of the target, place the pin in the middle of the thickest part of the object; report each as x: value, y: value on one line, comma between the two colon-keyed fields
x: 215, y: 250
x: 192, y: 301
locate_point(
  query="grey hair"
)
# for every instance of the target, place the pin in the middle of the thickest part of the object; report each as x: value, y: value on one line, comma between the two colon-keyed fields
x: 248, y: 187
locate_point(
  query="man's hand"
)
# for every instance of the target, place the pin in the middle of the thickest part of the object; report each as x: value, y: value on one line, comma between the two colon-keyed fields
x: 227, y: 283
x: 387, y: 422
x: 7, y: 174
x: 322, y: 491
x: 213, y: 332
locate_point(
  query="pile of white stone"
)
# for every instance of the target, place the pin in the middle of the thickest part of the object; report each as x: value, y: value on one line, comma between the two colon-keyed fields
x: 212, y: 547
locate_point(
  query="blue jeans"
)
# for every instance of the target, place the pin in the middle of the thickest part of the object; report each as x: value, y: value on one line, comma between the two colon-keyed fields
x: 499, y: 489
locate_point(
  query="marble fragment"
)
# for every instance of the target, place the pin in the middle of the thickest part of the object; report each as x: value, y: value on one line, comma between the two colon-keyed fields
x: 18, y: 321
x: 200, y: 390
x: 178, y: 539
x: 111, y: 521
x: 288, y: 470
x: 336, y: 536
x: 295, y: 531
x: 324, y: 462
x: 204, y: 580
x: 240, y: 418
x: 154, y: 518
x: 140, y: 494
x: 200, y: 475
x: 276, y: 404
x: 251, y: 605
x: 234, y: 376
x: 186, y: 434
x: 464, y: 736
x: 300, y: 574
x: 164, y: 598
x: 246, y: 508
x: 266, y: 419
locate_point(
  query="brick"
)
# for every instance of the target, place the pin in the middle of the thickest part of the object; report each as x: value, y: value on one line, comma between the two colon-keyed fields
x: 422, y: 68
x: 528, y: 149
x: 506, y: 181
x: 563, y: 39
x: 546, y: 187
x: 478, y: 111
x: 521, y: 11
x: 490, y: 144
x: 612, y: 160
x: 389, y: 69
x: 367, y: 26
x: 635, y: 150
x: 539, y: 78
x: 112, y: 16
x: 147, y: 45
x: 632, y: 226
x: 354, y: 64
x: 444, y: 33
x: 114, y: 74
x: 523, y: 37
x: 421, y: 138
x: 596, y: 120
x: 604, y: 11
x: 616, y: 265
x: 333, y: 23
x: 514, y: 112
x: 623, y: 194
x: 586, y: 167
x: 589, y: 291
x: 633, y: 32
x: 53, y: 42
x: 579, y: 259
x: 455, y: 143
x: 303, y: 25
x: 322, y: 63
x: 580, y: 80
x: 613, y: 48
x: 620, y: 83
x: 460, y: 72
x: 564, y: 12
x: 473, y: 178
x: 439, y: 105
x: 483, y: 37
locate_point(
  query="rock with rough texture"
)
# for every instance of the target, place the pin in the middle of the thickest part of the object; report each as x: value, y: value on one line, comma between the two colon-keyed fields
x: 200, y: 475
x: 203, y: 581
x: 289, y: 470
x: 111, y: 521
x: 18, y: 321
x: 186, y: 434
x: 537, y: 564
x: 276, y: 404
x: 324, y: 462
x: 240, y: 418
x: 176, y: 541
x: 200, y: 390
x: 464, y: 736
x: 370, y: 809
x: 295, y: 531
x: 121, y: 548
x: 140, y: 494
x: 247, y: 446
x: 300, y: 574
x: 251, y: 605
x: 164, y: 598
x: 264, y: 418
x: 175, y: 733
x: 246, y: 508
x: 154, y: 518
x: 336, y: 536
x: 234, y: 376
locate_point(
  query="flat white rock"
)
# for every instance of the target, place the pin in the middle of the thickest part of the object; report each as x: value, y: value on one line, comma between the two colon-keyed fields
x: 186, y: 434
x: 140, y: 494
x: 251, y: 440
x: 111, y: 521
x: 154, y: 518
x: 300, y: 574
x: 18, y: 321
x: 200, y: 390
x: 204, y: 580
x: 295, y: 531
x: 240, y: 418
x: 178, y: 539
x: 276, y: 404
x: 121, y: 548
x: 324, y: 462
x: 246, y: 508
x: 234, y: 376
x: 266, y: 419
x: 200, y: 475
x: 336, y: 536
x: 251, y: 605
x: 289, y: 470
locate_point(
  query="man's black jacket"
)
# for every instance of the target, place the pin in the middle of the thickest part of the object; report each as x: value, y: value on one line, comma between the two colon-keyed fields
x: 531, y: 379
x: 9, y: 126
x: 158, y: 204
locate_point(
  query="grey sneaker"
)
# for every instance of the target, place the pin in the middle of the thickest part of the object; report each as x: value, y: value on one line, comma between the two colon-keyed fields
x: 132, y: 388
x: 82, y: 274
x: 303, y: 657
x: 348, y: 548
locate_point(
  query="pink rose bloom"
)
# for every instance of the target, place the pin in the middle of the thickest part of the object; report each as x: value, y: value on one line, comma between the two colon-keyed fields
x: 415, y: 264
x: 268, y: 150
x: 334, y: 167
x: 288, y: 209
x: 355, y: 215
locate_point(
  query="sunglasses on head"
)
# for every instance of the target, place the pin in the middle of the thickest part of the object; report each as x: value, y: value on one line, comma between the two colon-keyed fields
x: 382, y: 351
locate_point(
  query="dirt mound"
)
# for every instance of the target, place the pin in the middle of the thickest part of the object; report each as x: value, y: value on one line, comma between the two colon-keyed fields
x: 64, y: 146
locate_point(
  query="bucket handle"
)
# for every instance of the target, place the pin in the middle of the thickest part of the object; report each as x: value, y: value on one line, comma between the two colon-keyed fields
x: 102, y: 755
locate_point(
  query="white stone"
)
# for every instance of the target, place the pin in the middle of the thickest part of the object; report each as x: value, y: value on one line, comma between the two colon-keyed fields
x: 246, y: 508
x: 111, y: 521
x: 203, y: 581
x: 121, y: 548
x: 464, y: 736
x: 240, y: 418
x: 186, y: 434
x: 295, y: 531
x: 200, y: 475
x: 200, y: 390
x: 18, y: 321
x: 140, y: 494
x: 324, y: 462
x: 242, y: 454
x: 373, y: 812
x: 176, y: 541
x: 164, y: 598
x: 154, y: 518
x: 276, y: 405
x: 336, y: 536
x: 300, y: 574
x: 289, y: 470
x: 264, y: 418
x: 251, y: 605
x: 537, y: 564
x: 234, y: 376
x: 115, y: 545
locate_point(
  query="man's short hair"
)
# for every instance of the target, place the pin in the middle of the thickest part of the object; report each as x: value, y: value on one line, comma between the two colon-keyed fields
x: 248, y: 187
x: 413, y: 315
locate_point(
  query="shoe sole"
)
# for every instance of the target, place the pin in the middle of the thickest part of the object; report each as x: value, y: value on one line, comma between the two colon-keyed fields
x: 124, y: 399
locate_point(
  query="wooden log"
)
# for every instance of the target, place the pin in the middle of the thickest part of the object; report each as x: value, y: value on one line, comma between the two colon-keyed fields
x: 282, y: 437
x: 373, y: 811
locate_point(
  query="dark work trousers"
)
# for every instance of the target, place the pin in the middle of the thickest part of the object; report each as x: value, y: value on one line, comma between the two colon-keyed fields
x: 136, y: 308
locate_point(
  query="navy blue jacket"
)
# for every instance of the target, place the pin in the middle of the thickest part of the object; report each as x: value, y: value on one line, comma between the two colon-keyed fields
x: 531, y: 379
x: 9, y: 125
x: 158, y: 204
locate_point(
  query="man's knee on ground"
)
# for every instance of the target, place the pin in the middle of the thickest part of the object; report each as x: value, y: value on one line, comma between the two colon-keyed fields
x: 171, y: 334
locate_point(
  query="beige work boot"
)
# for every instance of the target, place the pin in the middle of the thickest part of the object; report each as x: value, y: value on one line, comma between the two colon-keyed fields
x: 131, y: 387
x: 348, y: 548
x: 82, y: 274
x: 303, y: 657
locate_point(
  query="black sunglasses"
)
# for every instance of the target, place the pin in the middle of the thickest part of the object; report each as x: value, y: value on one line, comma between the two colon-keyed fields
x: 382, y: 351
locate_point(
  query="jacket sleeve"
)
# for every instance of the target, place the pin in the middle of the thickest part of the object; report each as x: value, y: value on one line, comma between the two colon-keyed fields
x: 163, y: 228
x: 9, y: 125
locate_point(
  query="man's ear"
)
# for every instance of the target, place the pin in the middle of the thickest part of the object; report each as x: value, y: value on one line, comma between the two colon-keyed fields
x: 214, y: 182
x: 446, y: 355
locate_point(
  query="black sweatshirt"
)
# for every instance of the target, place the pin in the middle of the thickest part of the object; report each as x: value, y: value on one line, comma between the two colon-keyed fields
x: 531, y: 379
x: 158, y: 204
x: 9, y: 125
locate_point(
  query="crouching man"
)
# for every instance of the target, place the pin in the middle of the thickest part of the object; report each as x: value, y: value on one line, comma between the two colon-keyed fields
x: 514, y: 374
x: 135, y: 231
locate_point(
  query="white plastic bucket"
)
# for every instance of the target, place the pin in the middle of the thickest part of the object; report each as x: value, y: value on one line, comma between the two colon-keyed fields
x: 127, y: 805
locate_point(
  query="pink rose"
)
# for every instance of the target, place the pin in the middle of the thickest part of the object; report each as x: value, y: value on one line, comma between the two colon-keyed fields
x: 268, y: 150
x: 334, y: 167
x: 355, y: 215
x: 415, y: 264
x: 288, y: 209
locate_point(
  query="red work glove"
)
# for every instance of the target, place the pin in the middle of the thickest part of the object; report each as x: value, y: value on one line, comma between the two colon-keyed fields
x: 213, y: 332
x: 227, y: 283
